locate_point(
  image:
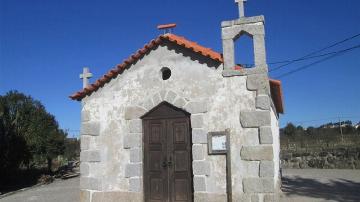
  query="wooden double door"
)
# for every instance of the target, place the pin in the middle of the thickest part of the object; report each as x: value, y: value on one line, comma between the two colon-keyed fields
x: 167, y: 156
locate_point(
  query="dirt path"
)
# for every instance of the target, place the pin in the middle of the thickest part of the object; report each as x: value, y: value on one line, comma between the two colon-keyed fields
x: 298, y: 186
x: 321, y: 185
x: 59, y: 191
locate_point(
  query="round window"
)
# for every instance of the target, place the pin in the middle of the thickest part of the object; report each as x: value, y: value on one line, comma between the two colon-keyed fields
x: 165, y: 73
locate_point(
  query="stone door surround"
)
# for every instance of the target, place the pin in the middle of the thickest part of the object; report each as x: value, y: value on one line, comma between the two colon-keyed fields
x: 133, y: 141
x: 167, y: 160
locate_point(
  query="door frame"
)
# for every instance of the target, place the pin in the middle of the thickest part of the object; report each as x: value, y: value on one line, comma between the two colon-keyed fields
x: 174, y: 114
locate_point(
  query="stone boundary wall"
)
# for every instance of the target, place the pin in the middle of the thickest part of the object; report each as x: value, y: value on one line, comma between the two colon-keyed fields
x: 339, y: 158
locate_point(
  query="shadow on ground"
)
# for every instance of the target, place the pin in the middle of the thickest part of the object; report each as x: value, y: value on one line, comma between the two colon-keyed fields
x: 329, y: 189
x: 19, y: 179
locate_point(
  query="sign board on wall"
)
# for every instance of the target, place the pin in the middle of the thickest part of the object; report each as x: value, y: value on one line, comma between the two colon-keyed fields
x: 217, y: 142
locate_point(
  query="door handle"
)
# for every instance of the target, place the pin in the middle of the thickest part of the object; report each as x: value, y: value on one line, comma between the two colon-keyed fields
x: 169, y: 163
x: 164, y: 164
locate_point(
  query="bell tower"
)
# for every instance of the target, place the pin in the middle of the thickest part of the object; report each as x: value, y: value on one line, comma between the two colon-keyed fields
x: 234, y: 29
x: 259, y: 146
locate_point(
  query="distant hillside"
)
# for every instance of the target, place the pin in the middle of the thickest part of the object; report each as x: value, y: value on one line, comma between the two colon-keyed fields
x: 326, y: 146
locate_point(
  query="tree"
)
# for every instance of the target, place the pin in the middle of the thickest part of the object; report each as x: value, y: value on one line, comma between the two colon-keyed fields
x: 13, y: 149
x: 72, y: 148
x: 290, y: 129
x: 311, y: 130
x: 299, y: 128
x: 29, y: 120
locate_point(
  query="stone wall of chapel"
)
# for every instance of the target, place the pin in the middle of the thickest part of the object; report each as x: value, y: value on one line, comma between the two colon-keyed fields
x: 111, y: 141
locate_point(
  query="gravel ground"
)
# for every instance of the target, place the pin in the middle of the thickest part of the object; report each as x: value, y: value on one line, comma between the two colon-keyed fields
x: 321, y: 185
x: 313, y: 185
x: 58, y: 191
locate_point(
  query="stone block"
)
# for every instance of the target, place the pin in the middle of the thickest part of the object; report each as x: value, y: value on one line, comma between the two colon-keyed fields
x: 162, y: 94
x: 134, y: 112
x: 197, y: 121
x: 156, y: 99
x: 209, y: 197
x: 199, y: 136
x: 263, y: 102
x: 201, y: 168
x: 257, y: 82
x: 256, y: 153
x: 260, y: 54
x: 180, y: 102
x: 266, y: 135
x: 228, y: 50
x: 254, y: 119
x: 85, y: 142
x: 170, y: 97
x: 85, y: 115
x: 196, y: 107
x: 253, y: 29
x: 148, y: 104
x: 267, y: 169
x: 85, y: 196
x: 243, y: 20
x: 90, y: 183
x: 226, y: 23
x: 132, y: 140
x: 198, y: 152
x: 112, y: 196
x: 199, y: 183
x: 242, y: 72
x: 136, y: 155
x: 90, y: 128
x: 84, y: 169
x: 271, y: 198
x: 90, y: 156
x: 133, y: 170
x: 135, y: 126
x: 250, y: 137
x: 135, y: 184
x: 250, y: 168
x: 258, y: 185
x: 255, y: 198
x: 250, y: 20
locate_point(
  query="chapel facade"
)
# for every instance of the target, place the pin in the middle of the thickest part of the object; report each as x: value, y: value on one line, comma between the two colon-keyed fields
x: 177, y: 121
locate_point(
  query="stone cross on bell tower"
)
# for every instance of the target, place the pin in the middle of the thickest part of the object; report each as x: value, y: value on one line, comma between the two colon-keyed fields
x: 233, y: 30
x: 85, y: 76
x: 241, y: 7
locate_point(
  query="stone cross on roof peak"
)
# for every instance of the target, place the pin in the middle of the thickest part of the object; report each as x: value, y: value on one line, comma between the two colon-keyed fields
x: 85, y: 76
x: 241, y: 7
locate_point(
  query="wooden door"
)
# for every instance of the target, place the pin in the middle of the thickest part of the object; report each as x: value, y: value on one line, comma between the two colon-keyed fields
x: 167, y: 158
x: 179, y: 153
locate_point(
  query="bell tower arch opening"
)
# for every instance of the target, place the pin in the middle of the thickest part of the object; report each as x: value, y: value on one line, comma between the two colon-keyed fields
x: 244, y: 50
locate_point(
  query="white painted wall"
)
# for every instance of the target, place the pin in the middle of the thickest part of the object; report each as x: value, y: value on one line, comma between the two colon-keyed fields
x: 276, y: 145
x: 191, y: 79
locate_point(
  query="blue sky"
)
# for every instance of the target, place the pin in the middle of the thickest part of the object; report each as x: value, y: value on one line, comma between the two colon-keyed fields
x: 45, y: 43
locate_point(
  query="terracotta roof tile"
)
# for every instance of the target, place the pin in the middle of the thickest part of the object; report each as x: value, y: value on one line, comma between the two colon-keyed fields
x: 207, y: 52
x: 181, y: 41
x: 277, y: 95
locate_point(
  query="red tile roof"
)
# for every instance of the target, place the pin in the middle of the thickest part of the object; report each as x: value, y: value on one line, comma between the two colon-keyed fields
x: 277, y: 95
x: 207, y: 52
x: 181, y: 41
